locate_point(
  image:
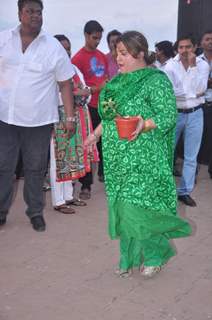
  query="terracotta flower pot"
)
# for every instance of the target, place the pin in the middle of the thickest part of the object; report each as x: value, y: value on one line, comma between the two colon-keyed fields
x: 126, y: 126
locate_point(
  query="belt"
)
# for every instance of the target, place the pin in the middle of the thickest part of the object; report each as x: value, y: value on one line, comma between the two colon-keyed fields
x: 208, y: 103
x: 189, y: 110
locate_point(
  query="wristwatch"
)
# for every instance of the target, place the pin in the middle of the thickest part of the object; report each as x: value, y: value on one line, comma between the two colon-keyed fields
x: 71, y: 119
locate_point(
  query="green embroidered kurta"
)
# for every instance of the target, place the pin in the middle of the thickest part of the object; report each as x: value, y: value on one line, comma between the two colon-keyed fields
x: 140, y: 188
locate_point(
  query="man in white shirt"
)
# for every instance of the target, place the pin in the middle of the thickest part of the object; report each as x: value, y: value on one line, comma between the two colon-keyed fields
x: 32, y: 65
x: 193, y: 75
x: 206, y: 147
x: 164, y: 54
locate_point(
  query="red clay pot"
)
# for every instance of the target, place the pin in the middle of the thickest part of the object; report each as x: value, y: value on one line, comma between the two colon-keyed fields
x: 126, y: 126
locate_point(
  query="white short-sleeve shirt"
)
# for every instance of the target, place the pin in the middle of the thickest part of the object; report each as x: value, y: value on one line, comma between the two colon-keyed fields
x: 28, y: 81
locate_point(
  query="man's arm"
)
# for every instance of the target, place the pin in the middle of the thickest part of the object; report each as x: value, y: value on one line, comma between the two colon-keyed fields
x: 171, y: 70
x: 176, y: 83
x: 197, y: 79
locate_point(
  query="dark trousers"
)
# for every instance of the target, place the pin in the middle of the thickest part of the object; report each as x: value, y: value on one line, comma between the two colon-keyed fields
x: 205, y: 153
x: 33, y: 144
x: 19, y: 167
x: 87, y: 180
x: 19, y: 171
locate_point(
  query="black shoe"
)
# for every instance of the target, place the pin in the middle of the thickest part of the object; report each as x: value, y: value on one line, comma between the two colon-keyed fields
x: 38, y: 223
x: 186, y: 199
x: 101, y: 178
x: 3, y: 221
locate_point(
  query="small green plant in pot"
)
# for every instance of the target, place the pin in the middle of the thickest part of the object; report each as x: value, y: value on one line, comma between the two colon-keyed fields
x: 126, y: 125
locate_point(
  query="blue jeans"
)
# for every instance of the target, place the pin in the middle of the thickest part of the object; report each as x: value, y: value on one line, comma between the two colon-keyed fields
x: 191, y: 125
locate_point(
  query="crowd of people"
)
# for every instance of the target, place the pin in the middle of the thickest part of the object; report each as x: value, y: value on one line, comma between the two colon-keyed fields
x: 59, y: 110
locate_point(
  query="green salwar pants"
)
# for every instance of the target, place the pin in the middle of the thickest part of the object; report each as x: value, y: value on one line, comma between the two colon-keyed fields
x: 154, y: 251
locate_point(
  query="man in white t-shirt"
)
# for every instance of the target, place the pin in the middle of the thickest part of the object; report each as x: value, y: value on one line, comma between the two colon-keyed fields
x: 192, y: 72
x: 32, y: 65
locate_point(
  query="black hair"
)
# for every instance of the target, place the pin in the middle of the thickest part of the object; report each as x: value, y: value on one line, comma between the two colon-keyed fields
x: 135, y: 42
x: 21, y: 3
x: 112, y: 33
x: 93, y: 26
x: 186, y: 37
x: 61, y: 37
x: 166, y: 47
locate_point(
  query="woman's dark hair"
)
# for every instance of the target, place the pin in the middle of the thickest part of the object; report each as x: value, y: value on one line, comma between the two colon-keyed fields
x: 93, y: 26
x: 135, y: 42
x: 21, y: 3
x: 62, y: 37
x: 166, y: 47
x: 112, y: 33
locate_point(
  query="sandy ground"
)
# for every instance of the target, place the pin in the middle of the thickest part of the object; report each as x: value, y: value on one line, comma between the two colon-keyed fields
x: 67, y: 272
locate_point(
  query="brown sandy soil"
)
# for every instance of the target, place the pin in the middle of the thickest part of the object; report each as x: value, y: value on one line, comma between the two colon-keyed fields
x: 67, y: 272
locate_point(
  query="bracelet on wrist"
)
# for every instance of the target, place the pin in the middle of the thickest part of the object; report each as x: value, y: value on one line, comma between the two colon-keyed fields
x: 71, y: 119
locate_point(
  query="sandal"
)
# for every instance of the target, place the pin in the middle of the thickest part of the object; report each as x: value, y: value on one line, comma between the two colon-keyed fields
x: 123, y: 273
x: 76, y: 202
x: 85, y: 194
x: 149, y: 272
x: 65, y: 209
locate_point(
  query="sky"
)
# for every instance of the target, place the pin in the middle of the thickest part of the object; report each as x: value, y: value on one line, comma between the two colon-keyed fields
x: 156, y: 19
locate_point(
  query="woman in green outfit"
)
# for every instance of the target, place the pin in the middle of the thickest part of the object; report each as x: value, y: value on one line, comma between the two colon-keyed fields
x: 139, y: 183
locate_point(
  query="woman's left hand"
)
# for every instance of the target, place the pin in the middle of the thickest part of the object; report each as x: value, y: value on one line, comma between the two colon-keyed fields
x: 138, y: 130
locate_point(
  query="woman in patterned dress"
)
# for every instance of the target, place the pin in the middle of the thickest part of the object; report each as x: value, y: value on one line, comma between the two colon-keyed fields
x: 69, y: 159
x: 140, y: 188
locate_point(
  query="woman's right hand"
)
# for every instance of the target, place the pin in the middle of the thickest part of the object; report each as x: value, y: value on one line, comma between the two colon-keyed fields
x: 138, y: 130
